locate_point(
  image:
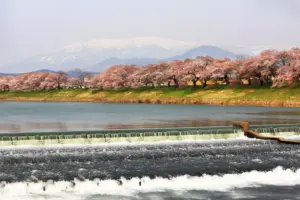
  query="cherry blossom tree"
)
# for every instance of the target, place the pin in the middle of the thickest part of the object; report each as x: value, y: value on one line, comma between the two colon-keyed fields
x: 118, y: 76
x: 81, y: 77
x: 5, y: 85
x: 222, y: 69
x: 205, y: 75
x: 60, y: 78
x: 143, y: 77
x: 286, y: 77
x: 88, y: 81
x: 154, y: 74
x: 175, y: 72
x: 74, y: 82
x: 15, y: 84
x: 5, y: 82
x: 254, y: 68
x: 95, y: 82
x: 191, y: 70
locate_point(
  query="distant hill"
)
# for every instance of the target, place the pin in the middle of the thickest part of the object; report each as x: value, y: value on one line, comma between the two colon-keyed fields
x: 85, y: 58
x: 205, y: 50
x: 76, y: 74
x: 86, y: 54
x: 71, y: 73
x: 14, y: 74
x: 101, y: 66
x: 100, y: 53
x: 45, y: 70
x: 7, y: 74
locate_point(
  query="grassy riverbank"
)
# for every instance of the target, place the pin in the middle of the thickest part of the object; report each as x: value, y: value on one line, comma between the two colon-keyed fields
x: 239, y: 95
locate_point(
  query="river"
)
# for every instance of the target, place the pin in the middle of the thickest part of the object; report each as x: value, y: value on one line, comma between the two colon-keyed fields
x: 37, y: 116
x: 238, y: 168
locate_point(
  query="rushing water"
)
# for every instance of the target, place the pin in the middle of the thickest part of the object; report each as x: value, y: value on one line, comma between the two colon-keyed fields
x: 221, y: 169
x: 25, y: 116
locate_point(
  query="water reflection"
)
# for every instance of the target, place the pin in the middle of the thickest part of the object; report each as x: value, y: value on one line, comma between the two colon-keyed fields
x: 69, y: 126
x: 267, y: 113
x: 199, y: 123
x: 27, y: 117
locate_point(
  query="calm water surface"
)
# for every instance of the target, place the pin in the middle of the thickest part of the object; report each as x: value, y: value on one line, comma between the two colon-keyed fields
x: 32, y: 116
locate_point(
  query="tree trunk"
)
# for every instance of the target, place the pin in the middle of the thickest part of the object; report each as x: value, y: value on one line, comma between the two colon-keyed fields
x: 176, y: 82
x: 169, y: 83
x: 261, y: 82
x: 204, y: 83
x: 226, y: 79
x: 249, y: 81
x: 6, y: 88
x: 194, y: 82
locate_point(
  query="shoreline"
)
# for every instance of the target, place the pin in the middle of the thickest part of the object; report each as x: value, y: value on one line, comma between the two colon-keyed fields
x: 183, y: 101
x: 287, y: 97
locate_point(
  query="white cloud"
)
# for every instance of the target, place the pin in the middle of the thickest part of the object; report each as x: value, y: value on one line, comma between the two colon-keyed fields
x: 48, y: 59
x: 127, y: 43
x: 69, y: 58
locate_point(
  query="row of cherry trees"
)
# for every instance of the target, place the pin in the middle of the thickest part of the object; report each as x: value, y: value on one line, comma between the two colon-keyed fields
x: 33, y: 81
x: 279, y: 68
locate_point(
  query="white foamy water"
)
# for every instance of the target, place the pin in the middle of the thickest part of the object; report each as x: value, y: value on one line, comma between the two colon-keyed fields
x: 73, y: 143
x: 295, y: 137
x: 125, y: 143
x: 130, y: 188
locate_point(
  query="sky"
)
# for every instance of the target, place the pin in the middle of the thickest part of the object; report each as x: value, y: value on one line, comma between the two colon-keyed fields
x: 33, y: 27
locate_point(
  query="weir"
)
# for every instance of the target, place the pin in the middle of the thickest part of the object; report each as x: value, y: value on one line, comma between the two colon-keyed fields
x: 145, y: 135
x: 119, y: 135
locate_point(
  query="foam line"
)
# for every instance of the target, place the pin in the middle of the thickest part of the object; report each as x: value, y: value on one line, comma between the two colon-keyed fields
x: 83, y: 189
x: 125, y: 143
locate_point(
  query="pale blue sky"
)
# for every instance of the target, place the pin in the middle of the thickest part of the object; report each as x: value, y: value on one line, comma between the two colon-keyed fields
x: 31, y: 27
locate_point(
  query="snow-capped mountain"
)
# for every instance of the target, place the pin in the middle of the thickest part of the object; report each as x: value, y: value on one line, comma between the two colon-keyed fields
x: 203, y: 50
x: 83, y: 54
x: 98, y: 54
x: 136, y: 43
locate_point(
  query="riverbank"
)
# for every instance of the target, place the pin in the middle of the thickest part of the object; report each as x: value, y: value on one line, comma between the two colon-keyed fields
x: 242, y: 95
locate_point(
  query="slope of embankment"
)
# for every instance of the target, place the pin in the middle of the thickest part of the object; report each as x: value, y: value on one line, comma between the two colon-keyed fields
x: 243, y: 95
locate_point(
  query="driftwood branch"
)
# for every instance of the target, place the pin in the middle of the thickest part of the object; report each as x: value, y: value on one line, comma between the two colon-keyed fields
x: 252, y: 134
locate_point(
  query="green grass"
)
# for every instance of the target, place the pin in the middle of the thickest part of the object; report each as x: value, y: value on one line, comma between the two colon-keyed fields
x: 72, y: 92
x: 212, y: 94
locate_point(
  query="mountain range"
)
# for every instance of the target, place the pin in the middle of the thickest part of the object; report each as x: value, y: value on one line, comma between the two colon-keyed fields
x: 71, y: 73
x: 98, y: 54
x: 204, y: 50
